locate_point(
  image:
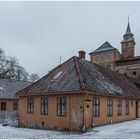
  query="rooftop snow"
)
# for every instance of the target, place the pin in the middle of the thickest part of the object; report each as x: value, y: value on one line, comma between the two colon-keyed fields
x: 8, y: 88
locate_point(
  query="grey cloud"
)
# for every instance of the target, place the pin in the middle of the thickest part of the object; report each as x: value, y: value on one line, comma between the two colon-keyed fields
x: 38, y: 33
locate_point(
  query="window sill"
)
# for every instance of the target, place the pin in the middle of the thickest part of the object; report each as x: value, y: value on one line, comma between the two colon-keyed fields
x: 30, y: 113
x: 110, y: 115
x: 45, y: 114
x: 61, y: 115
x: 96, y: 116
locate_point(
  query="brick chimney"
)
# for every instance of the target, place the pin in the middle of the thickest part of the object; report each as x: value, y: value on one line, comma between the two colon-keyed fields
x: 82, y: 54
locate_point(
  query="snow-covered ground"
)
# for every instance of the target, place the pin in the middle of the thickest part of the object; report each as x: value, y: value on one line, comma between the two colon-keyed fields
x: 129, y: 129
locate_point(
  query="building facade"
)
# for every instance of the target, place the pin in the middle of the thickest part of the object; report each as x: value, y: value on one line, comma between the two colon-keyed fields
x: 78, y: 95
x: 125, y: 62
x: 8, y: 99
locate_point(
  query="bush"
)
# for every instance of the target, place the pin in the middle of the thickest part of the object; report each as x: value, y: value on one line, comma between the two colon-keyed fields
x: 9, y: 118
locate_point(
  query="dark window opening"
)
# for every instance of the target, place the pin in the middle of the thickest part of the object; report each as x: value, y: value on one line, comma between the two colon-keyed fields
x: 3, y: 106
x: 42, y: 124
x: 127, y: 107
x: 134, y: 73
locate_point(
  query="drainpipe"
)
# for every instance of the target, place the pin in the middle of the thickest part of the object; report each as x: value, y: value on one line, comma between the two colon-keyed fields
x: 83, y: 127
x: 70, y: 113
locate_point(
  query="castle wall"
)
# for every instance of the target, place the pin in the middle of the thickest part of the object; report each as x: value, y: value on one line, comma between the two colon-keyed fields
x: 106, y: 59
x: 131, y: 70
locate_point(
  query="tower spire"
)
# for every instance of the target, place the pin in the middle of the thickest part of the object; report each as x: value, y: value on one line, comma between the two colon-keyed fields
x: 128, y: 43
x: 128, y: 30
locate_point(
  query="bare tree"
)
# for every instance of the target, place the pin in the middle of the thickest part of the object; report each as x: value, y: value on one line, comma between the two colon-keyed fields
x: 21, y: 74
x: 10, y: 68
x: 33, y: 77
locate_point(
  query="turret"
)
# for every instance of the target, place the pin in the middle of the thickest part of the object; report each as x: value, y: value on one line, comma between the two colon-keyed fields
x: 128, y: 44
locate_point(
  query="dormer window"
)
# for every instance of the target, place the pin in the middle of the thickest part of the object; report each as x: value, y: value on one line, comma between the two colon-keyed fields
x: 1, y: 89
x: 57, y: 75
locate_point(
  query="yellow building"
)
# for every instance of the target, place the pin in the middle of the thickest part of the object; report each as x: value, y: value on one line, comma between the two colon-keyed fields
x: 8, y: 99
x: 78, y: 95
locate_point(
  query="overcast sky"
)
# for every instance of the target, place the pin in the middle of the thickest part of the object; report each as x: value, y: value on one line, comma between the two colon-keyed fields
x: 38, y: 33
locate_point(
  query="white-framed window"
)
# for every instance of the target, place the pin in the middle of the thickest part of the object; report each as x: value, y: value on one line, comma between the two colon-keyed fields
x: 61, y: 106
x: 44, y: 105
x: 30, y: 105
x: 119, y: 109
x: 96, y: 107
x: 110, y: 107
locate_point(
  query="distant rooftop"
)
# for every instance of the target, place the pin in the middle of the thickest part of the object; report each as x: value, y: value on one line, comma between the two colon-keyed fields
x: 104, y: 47
x: 8, y: 88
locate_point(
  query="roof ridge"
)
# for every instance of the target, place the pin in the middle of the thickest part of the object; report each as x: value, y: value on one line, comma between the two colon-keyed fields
x: 43, y: 77
x: 82, y: 85
x: 104, y: 44
x: 102, y: 48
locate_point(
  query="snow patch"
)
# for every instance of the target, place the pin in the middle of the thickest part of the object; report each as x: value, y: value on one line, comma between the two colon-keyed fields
x: 124, y: 130
x: 9, y: 118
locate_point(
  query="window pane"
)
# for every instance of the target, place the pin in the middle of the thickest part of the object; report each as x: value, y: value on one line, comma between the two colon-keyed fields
x: 127, y: 107
x: 44, y: 105
x: 30, y: 106
x: 96, y: 107
x: 110, y: 107
x: 15, y: 106
x: 61, y: 106
x: 3, y: 106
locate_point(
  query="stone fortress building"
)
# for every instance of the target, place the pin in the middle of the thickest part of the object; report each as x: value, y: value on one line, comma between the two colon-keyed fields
x: 125, y: 62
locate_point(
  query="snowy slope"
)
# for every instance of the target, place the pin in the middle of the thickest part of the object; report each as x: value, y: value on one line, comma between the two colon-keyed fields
x: 129, y: 129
